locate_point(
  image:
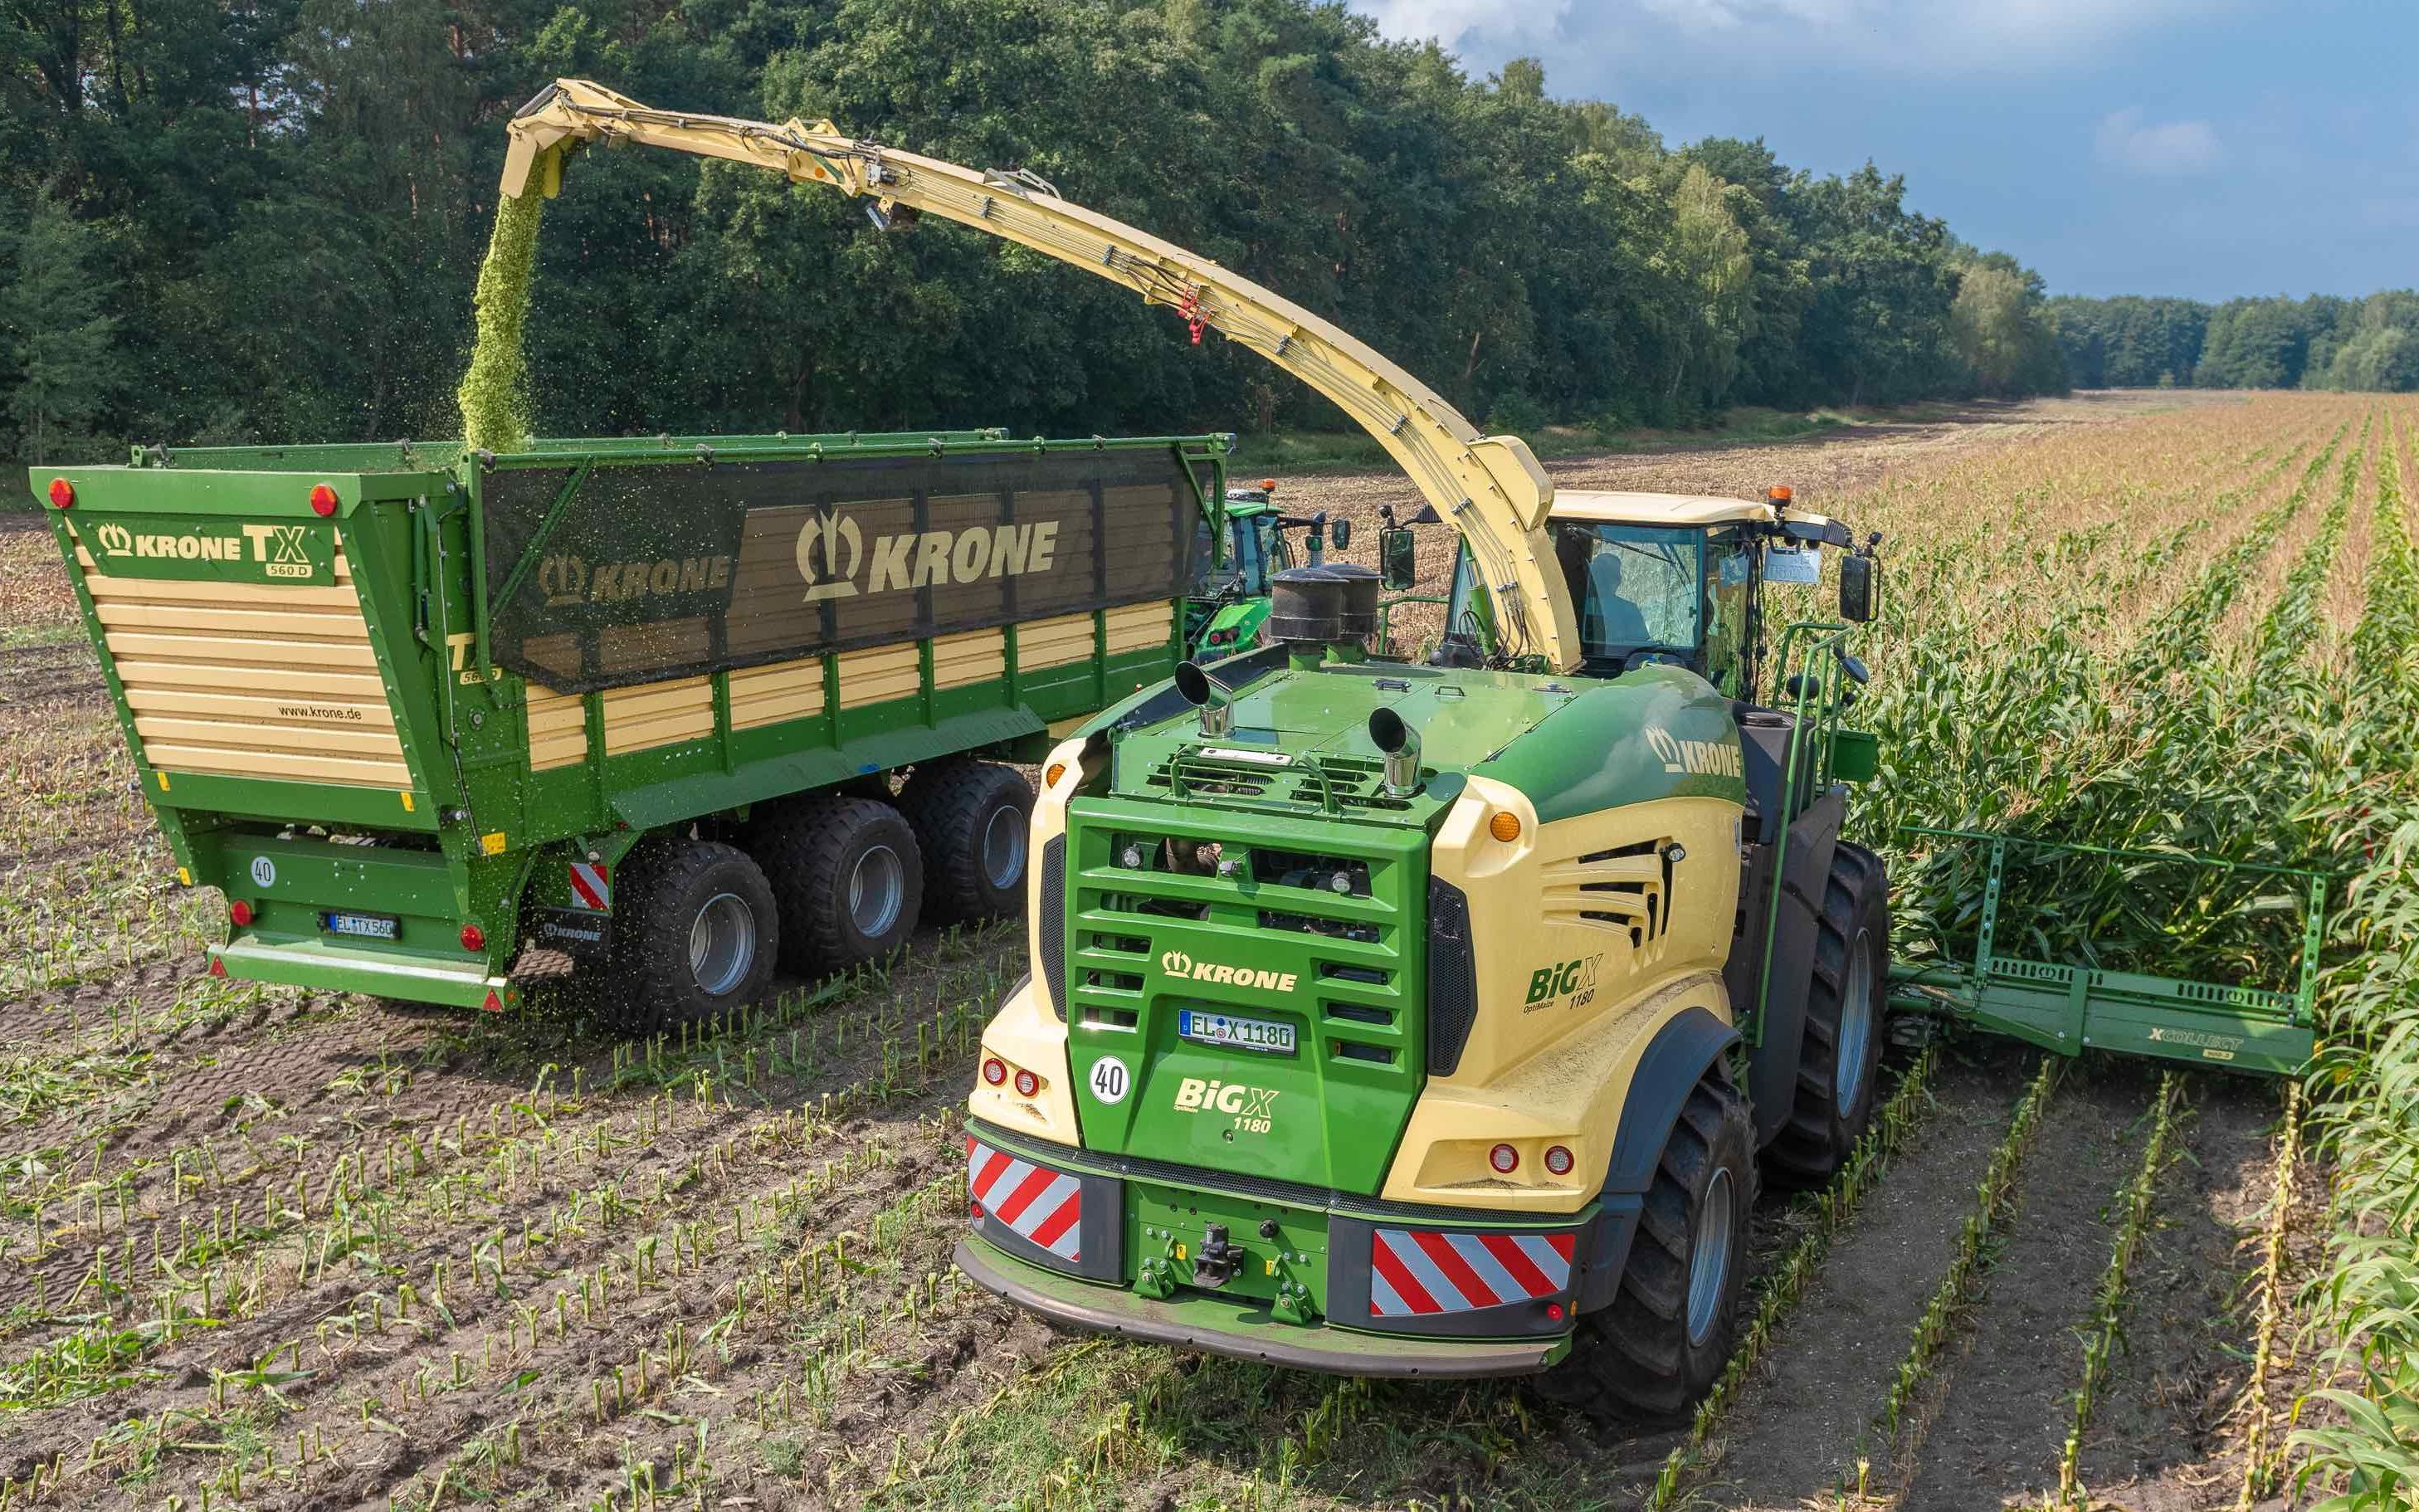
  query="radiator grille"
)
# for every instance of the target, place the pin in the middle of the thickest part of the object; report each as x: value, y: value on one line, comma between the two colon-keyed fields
x: 1453, y: 977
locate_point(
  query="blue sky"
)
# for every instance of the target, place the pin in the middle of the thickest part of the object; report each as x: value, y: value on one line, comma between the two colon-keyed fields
x: 2200, y: 147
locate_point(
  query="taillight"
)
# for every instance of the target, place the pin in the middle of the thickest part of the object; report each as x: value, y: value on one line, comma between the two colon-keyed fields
x: 241, y: 912
x: 1558, y: 1160
x: 995, y: 1070
x: 474, y: 938
x: 1505, y: 1159
x: 323, y: 499
x: 1028, y: 1083
x: 62, y: 494
x: 218, y: 968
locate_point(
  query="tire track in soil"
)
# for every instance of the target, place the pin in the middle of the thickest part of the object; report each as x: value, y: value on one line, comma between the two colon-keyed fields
x: 2158, y: 1441
x: 1991, y: 1428
x: 1794, y: 1432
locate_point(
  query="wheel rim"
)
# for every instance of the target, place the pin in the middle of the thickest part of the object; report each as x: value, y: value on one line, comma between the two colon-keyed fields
x: 876, y: 889
x: 1855, y: 1023
x: 1003, y: 847
x: 1709, y: 1265
x: 722, y: 943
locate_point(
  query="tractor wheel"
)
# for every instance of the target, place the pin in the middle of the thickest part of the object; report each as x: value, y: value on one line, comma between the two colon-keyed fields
x: 696, y: 934
x: 849, y: 879
x: 1840, y: 1060
x: 1675, y: 1320
x: 971, y: 818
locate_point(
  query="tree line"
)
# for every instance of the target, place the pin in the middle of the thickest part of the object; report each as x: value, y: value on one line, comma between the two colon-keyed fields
x: 2321, y: 342
x: 233, y: 221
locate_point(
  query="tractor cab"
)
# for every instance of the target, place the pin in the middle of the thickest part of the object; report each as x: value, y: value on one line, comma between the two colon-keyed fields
x: 1233, y: 559
x: 1668, y: 579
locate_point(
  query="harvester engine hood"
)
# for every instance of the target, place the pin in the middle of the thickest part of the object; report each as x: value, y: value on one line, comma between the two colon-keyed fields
x: 1248, y: 913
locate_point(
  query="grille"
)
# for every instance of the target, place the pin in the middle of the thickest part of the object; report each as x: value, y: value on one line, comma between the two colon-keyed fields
x: 1051, y: 944
x: 1328, y: 784
x: 1453, y: 977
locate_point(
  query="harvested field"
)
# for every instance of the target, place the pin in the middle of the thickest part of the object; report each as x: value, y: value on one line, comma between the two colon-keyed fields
x: 268, y: 1249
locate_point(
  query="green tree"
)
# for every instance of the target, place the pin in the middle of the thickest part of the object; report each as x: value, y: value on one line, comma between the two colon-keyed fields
x: 61, y: 336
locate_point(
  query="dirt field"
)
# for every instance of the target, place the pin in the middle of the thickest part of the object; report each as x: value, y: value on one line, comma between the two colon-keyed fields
x: 263, y: 1248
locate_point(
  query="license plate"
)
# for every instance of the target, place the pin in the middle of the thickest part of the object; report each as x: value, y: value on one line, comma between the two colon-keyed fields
x: 1234, y: 1033
x: 364, y: 926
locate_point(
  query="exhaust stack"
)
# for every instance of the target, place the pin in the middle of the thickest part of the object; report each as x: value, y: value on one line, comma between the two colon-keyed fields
x: 1401, y: 745
x: 1216, y: 705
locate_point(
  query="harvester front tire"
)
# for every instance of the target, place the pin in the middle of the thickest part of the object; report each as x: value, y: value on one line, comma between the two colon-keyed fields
x: 972, y: 819
x: 848, y: 878
x: 1839, y: 1059
x: 1673, y: 1320
x: 696, y: 933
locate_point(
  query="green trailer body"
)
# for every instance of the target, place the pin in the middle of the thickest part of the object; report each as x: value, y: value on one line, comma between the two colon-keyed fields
x: 404, y: 705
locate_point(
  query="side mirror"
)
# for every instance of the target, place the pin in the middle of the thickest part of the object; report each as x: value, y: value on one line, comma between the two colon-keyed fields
x: 1856, y: 586
x: 1340, y: 532
x: 1397, y: 557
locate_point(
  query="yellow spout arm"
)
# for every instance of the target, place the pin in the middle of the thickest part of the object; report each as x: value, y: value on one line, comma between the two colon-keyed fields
x: 1489, y: 487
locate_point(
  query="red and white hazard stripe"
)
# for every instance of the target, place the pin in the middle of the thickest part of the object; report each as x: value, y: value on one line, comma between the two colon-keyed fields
x: 592, y: 887
x: 1034, y: 1202
x: 1417, y: 1273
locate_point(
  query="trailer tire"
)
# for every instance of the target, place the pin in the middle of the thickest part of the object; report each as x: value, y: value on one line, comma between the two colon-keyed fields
x: 848, y: 878
x: 972, y: 819
x: 1663, y: 1340
x: 696, y: 934
x: 1839, y: 1060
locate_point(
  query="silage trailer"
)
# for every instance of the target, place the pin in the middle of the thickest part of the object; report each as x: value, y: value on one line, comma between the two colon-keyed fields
x: 639, y: 706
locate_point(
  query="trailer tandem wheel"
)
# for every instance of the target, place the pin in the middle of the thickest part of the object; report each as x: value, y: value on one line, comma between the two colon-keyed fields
x: 697, y: 934
x: 848, y: 878
x: 1840, y: 1058
x: 972, y: 819
x: 1673, y: 1320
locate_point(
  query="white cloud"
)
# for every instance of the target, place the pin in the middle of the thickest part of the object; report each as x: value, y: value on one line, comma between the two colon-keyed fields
x: 1919, y: 37
x: 2164, y: 147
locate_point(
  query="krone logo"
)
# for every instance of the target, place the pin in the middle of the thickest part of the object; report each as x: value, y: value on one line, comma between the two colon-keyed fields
x: 115, y: 539
x: 1695, y: 758
x: 1184, y: 968
x: 828, y: 573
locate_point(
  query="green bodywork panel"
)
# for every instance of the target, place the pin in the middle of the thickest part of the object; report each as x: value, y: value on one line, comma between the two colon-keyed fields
x: 1292, y: 795
x: 473, y: 832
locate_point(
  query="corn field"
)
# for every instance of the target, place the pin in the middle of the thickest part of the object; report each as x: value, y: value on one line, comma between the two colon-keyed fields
x: 267, y: 1249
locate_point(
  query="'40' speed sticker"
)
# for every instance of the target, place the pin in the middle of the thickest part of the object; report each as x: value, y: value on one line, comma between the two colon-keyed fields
x: 1111, y: 1081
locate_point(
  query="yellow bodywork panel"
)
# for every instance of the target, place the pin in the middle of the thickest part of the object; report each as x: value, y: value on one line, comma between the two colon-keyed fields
x: 1028, y: 1036
x: 1592, y: 932
x: 250, y: 679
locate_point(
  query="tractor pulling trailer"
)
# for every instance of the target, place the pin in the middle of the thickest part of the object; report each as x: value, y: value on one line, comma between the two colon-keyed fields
x: 416, y: 710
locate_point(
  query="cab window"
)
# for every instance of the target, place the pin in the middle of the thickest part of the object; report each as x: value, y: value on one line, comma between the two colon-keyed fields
x: 1638, y: 588
x: 1729, y: 567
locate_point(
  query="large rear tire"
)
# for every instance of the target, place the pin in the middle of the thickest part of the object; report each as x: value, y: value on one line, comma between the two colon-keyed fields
x: 848, y: 878
x: 1673, y: 1320
x: 972, y: 819
x: 1839, y: 1060
x: 696, y: 933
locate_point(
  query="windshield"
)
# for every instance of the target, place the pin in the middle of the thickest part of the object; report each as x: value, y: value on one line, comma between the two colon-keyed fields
x: 1242, y: 564
x: 1634, y: 585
